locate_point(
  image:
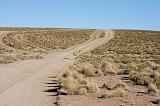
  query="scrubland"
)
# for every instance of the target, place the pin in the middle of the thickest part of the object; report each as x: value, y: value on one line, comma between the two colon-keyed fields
x: 125, y: 67
x: 31, y: 43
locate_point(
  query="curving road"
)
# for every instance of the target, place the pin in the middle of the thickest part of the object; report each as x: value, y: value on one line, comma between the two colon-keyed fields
x: 30, y: 82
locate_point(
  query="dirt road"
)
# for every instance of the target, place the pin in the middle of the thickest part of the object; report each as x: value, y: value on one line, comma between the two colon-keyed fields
x: 32, y: 82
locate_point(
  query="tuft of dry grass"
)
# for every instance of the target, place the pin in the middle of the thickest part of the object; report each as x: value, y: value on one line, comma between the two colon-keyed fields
x: 115, y: 86
x: 144, y: 65
x: 121, y: 85
x: 119, y: 92
x: 152, y: 89
x: 140, y: 79
x: 88, y: 70
x: 75, y: 84
x: 108, y: 67
x: 82, y: 91
x: 93, y: 87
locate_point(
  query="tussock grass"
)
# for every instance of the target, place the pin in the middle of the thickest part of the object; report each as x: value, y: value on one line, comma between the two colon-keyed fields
x: 119, y: 92
x: 115, y: 86
x: 121, y: 85
x: 75, y: 84
x: 108, y: 67
x: 82, y: 91
x: 144, y: 65
x: 88, y: 70
x: 140, y: 79
x: 146, y: 79
x: 93, y: 87
x: 135, y: 52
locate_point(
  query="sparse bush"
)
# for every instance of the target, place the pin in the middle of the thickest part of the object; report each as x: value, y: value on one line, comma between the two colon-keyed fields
x: 156, y: 58
x: 144, y: 65
x: 140, y: 79
x: 120, y: 85
x: 127, y: 68
x: 108, y: 68
x: 119, y: 92
x: 156, y: 81
x: 88, y: 70
x: 125, y: 59
x: 93, y: 87
x: 115, y: 86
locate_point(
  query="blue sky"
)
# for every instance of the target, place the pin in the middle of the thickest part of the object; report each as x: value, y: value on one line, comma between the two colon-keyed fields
x: 128, y: 14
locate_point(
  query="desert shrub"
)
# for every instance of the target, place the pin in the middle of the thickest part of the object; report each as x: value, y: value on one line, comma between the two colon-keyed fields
x: 108, y: 67
x: 115, y: 86
x: 127, y: 68
x: 72, y: 86
x: 156, y: 81
x: 156, y: 58
x: 82, y: 91
x: 88, y: 70
x: 125, y: 59
x: 144, y: 65
x: 120, y: 85
x: 140, y: 79
x: 75, y: 84
x: 145, y: 79
x: 93, y: 87
x: 119, y: 92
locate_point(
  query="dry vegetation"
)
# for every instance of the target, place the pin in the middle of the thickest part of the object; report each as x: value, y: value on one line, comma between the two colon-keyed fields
x: 4, y: 59
x: 133, y: 42
x: 132, y: 53
x: 73, y: 83
x: 4, y: 50
x: 46, y: 39
x: 30, y: 43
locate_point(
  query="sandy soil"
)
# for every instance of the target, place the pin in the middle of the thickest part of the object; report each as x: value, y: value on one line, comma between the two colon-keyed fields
x: 33, y: 83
